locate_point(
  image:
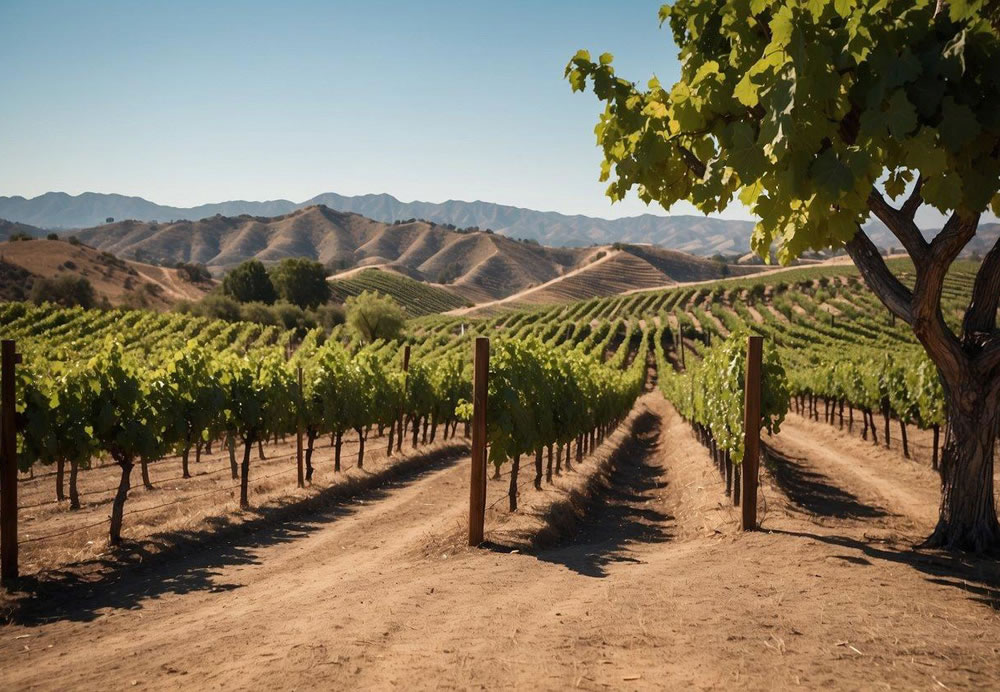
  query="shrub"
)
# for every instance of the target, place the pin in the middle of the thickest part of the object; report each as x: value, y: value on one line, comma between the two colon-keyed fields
x: 66, y: 290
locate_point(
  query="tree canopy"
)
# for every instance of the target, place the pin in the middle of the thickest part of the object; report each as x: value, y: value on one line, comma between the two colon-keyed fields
x: 301, y: 282
x: 375, y: 316
x: 249, y: 283
x: 805, y: 110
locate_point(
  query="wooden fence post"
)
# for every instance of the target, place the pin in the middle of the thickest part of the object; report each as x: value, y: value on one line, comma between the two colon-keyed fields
x: 8, y: 461
x: 298, y: 436
x: 751, y: 431
x: 477, y: 485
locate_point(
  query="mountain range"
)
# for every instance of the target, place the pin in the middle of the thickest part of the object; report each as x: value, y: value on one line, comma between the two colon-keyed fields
x: 693, y: 234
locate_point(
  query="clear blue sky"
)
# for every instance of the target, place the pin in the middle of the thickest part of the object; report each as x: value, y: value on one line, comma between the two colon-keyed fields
x: 191, y: 102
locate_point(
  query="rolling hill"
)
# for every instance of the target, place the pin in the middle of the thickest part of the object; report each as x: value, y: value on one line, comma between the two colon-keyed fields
x: 417, y: 298
x: 693, y: 234
x: 478, y: 266
x: 122, y: 282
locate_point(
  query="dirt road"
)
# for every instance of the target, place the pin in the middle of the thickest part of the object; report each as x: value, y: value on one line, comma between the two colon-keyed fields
x: 654, y: 589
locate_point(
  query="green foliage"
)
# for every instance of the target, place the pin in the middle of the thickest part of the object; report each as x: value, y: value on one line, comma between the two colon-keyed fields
x: 803, y: 108
x: 301, y: 282
x: 68, y: 290
x: 249, y: 283
x: 374, y: 316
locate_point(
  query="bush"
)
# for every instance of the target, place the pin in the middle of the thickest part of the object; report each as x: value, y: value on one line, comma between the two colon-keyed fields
x: 328, y: 316
x: 52, y: 236
x: 193, y: 273
x: 73, y: 240
x: 67, y: 290
x: 259, y: 313
x: 20, y: 235
x: 450, y: 273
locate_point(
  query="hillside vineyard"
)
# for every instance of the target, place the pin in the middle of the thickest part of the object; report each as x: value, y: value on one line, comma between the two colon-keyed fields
x: 135, y: 387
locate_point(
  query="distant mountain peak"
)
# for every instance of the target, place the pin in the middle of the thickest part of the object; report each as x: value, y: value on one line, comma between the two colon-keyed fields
x: 693, y: 234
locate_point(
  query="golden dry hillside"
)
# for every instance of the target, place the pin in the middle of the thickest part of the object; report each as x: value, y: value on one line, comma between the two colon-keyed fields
x: 122, y: 282
x: 481, y: 267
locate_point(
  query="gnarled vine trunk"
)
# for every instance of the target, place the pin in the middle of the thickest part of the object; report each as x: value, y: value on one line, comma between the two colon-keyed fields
x: 74, y: 493
x: 967, y: 519
x: 245, y: 474
x: 60, y: 471
x: 118, y: 506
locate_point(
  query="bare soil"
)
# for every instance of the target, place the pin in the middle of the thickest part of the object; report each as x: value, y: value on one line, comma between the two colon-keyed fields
x: 627, y: 573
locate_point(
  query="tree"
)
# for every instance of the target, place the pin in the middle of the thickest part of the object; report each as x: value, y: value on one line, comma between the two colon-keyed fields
x: 248, y: 283
x: 814, y: 114
x: 68, y: 290
x: 301, y: 282
x: 375, y: 316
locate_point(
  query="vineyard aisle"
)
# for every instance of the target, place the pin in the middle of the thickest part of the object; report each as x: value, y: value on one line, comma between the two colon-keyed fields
x: 655, y: 589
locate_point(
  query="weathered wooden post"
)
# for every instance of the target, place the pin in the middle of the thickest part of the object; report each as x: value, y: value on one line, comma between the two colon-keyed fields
x: 8, y: 461
x: 477, y: 485
x: 298, y: 434
x: 751, y: 431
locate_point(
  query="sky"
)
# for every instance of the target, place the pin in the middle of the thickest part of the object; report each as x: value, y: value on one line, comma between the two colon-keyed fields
x: 186, y: 103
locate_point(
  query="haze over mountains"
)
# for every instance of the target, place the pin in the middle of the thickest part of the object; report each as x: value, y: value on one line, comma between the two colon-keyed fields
x: 694, y: 234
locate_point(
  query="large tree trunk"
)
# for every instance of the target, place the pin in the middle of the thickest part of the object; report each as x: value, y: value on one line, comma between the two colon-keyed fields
x: 245, y: 474
x: 968, y: 517
x: 118, y: 506
x: 74, y: 492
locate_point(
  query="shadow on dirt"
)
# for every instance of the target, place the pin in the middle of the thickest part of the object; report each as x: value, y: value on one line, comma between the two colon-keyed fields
x: 619, y: 510
x: 978, y: 577
x: 814, y: 492
x: 187, y: 561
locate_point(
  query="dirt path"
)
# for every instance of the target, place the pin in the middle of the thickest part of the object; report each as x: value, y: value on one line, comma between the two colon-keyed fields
x: 654, y: 588
x: 562, y: 277
x: 870, y: 472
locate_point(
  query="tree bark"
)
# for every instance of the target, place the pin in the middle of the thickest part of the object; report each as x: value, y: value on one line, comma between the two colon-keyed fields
x: 361, y: 447
x: 245, y: 474
x: 260, y: 450
x: 118, y: 506
x: 74, y: 493
x: 185, y: 457
x: 392, y: 439
x: 548, y: 468
x: 968, y: 518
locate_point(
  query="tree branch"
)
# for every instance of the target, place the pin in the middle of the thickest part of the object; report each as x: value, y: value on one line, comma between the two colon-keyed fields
x: 900, y: 226
x: 981, y: 315
x: 893, y: 294
x: 691, y: 161
x: 913, y: 202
